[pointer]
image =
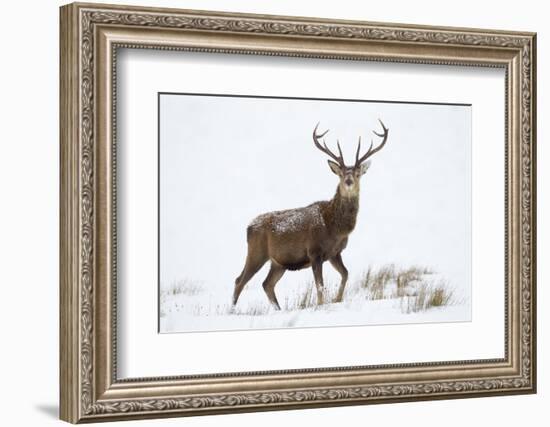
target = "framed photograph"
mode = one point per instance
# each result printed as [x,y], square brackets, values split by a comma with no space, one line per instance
[266,212]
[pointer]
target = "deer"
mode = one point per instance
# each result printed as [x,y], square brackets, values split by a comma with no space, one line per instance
[296,239]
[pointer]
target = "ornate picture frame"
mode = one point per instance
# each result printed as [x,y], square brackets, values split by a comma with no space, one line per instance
[91,34]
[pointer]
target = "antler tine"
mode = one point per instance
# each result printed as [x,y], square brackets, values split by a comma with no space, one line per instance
[371,151]
[340,150]
[381,135]
[315,132]
[324,148]
[359,150]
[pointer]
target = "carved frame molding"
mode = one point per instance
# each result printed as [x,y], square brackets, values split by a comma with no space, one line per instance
[90,35]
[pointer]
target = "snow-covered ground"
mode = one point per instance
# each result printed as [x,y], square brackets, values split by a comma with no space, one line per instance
[415,208]
[385,296]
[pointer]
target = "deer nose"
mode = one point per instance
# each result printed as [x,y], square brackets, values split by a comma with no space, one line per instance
[348,181]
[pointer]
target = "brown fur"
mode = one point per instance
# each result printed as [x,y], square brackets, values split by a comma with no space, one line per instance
[307,237]
[319,233]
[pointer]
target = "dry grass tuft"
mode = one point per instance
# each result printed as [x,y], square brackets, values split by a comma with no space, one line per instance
[429,296]
[375,282]
[410,284]
[254,310]
[307,299]
[184,287]
[302,300]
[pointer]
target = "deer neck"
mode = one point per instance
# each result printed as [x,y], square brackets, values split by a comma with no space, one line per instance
[343,213]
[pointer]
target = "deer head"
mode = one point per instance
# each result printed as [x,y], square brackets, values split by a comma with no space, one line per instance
[349,175]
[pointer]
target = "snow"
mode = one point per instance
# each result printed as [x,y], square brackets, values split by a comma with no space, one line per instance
[416,207]
[201,311]
[291,220]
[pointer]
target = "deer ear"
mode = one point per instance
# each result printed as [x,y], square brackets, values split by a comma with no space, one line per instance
[335,167]
[365,166]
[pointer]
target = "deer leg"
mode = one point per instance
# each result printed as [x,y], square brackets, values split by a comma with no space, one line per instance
[317,267]
[339,266]
[275,273]
[251,267]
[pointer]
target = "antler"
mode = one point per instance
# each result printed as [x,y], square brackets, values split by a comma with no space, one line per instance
[316,137]
[370,151]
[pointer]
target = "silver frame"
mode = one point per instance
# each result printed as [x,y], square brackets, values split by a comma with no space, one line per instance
[90,37]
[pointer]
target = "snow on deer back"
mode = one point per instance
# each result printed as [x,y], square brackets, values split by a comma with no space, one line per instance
[290,220]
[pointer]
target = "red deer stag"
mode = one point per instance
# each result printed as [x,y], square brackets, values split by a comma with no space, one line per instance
[307,237]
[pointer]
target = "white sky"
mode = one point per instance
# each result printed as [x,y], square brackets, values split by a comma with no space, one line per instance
[224,160]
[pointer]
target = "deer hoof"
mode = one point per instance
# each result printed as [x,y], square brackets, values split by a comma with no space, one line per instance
[320,299]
